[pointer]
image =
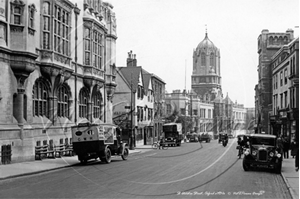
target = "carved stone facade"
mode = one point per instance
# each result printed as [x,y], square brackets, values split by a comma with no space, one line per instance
[268,44]
[46,86]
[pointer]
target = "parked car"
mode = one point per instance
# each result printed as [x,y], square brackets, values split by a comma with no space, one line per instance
[262,152]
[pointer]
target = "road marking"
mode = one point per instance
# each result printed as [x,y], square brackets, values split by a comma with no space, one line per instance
[191,176]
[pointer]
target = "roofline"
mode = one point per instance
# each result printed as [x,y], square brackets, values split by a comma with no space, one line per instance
[155,76]
[122,76]
[285,47]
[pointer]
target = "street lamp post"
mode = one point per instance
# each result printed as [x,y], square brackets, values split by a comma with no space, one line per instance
[131,146]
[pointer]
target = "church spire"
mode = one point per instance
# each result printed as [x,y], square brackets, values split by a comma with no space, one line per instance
[205,30]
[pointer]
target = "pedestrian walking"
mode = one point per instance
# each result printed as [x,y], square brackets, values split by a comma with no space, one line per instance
[199,140]
[297,159]
[279,143]
[286,148]
[293,148]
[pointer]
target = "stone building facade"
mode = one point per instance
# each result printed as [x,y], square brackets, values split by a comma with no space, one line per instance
[138,103]
[57,61]
[268,44]
[285,91]
[213,117]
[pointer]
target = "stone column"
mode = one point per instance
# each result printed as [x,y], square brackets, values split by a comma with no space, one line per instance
[18,104]
[90,112]
[53,108]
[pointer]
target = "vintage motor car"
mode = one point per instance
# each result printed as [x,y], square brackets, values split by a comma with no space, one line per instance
[98,140]
[262,152]
[193,137]
[221,137]
[205,137]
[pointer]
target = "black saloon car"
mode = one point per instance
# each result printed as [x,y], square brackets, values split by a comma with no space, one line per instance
[262,152]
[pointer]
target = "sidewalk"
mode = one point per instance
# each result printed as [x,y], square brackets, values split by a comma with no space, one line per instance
[38,166]
[290,176]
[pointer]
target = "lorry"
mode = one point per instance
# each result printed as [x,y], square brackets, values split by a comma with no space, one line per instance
[98,140]
[173,134]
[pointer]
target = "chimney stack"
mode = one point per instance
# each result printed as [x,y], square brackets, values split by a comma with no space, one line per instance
[131,60]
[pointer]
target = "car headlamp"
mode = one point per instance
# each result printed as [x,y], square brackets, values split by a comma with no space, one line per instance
[254,153]
[247,152]
[278,155]
[271,154]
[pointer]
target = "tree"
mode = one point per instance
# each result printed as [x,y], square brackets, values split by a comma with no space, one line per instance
[186,121]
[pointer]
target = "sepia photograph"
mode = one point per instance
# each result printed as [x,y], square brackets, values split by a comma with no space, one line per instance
[149,99]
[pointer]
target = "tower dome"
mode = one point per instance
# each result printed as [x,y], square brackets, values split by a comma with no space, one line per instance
[206,44]
[206,75]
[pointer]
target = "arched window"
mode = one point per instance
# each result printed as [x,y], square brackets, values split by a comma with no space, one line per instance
[203,59]
[285,39]
[280,41]
[97,101]
[83,102]
[212,63]
[276,41]
[40,94]
[270,40]
[63,96]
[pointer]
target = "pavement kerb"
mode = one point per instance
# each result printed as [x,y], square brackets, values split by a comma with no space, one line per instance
[288,186]
[46,170]
[36,172]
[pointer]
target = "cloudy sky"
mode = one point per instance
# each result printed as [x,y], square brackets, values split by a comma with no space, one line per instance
[164,33]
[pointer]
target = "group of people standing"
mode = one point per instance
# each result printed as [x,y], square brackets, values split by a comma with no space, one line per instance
[285,146]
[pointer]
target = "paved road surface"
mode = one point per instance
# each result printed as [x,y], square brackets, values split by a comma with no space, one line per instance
[189,171]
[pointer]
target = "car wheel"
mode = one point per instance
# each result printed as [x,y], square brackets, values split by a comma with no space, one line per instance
[107,157]
[125,154]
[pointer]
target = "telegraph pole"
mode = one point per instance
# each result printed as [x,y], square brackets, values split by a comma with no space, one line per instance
[131,146]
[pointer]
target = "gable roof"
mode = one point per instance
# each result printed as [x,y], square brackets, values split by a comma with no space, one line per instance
[122,77]
[146,78]
[132,74]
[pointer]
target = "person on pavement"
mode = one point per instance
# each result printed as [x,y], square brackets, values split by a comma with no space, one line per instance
[286,148]
[297,159]
[293,148]
[279,143]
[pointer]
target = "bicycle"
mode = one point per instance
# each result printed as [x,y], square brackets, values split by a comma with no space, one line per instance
[157,145]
